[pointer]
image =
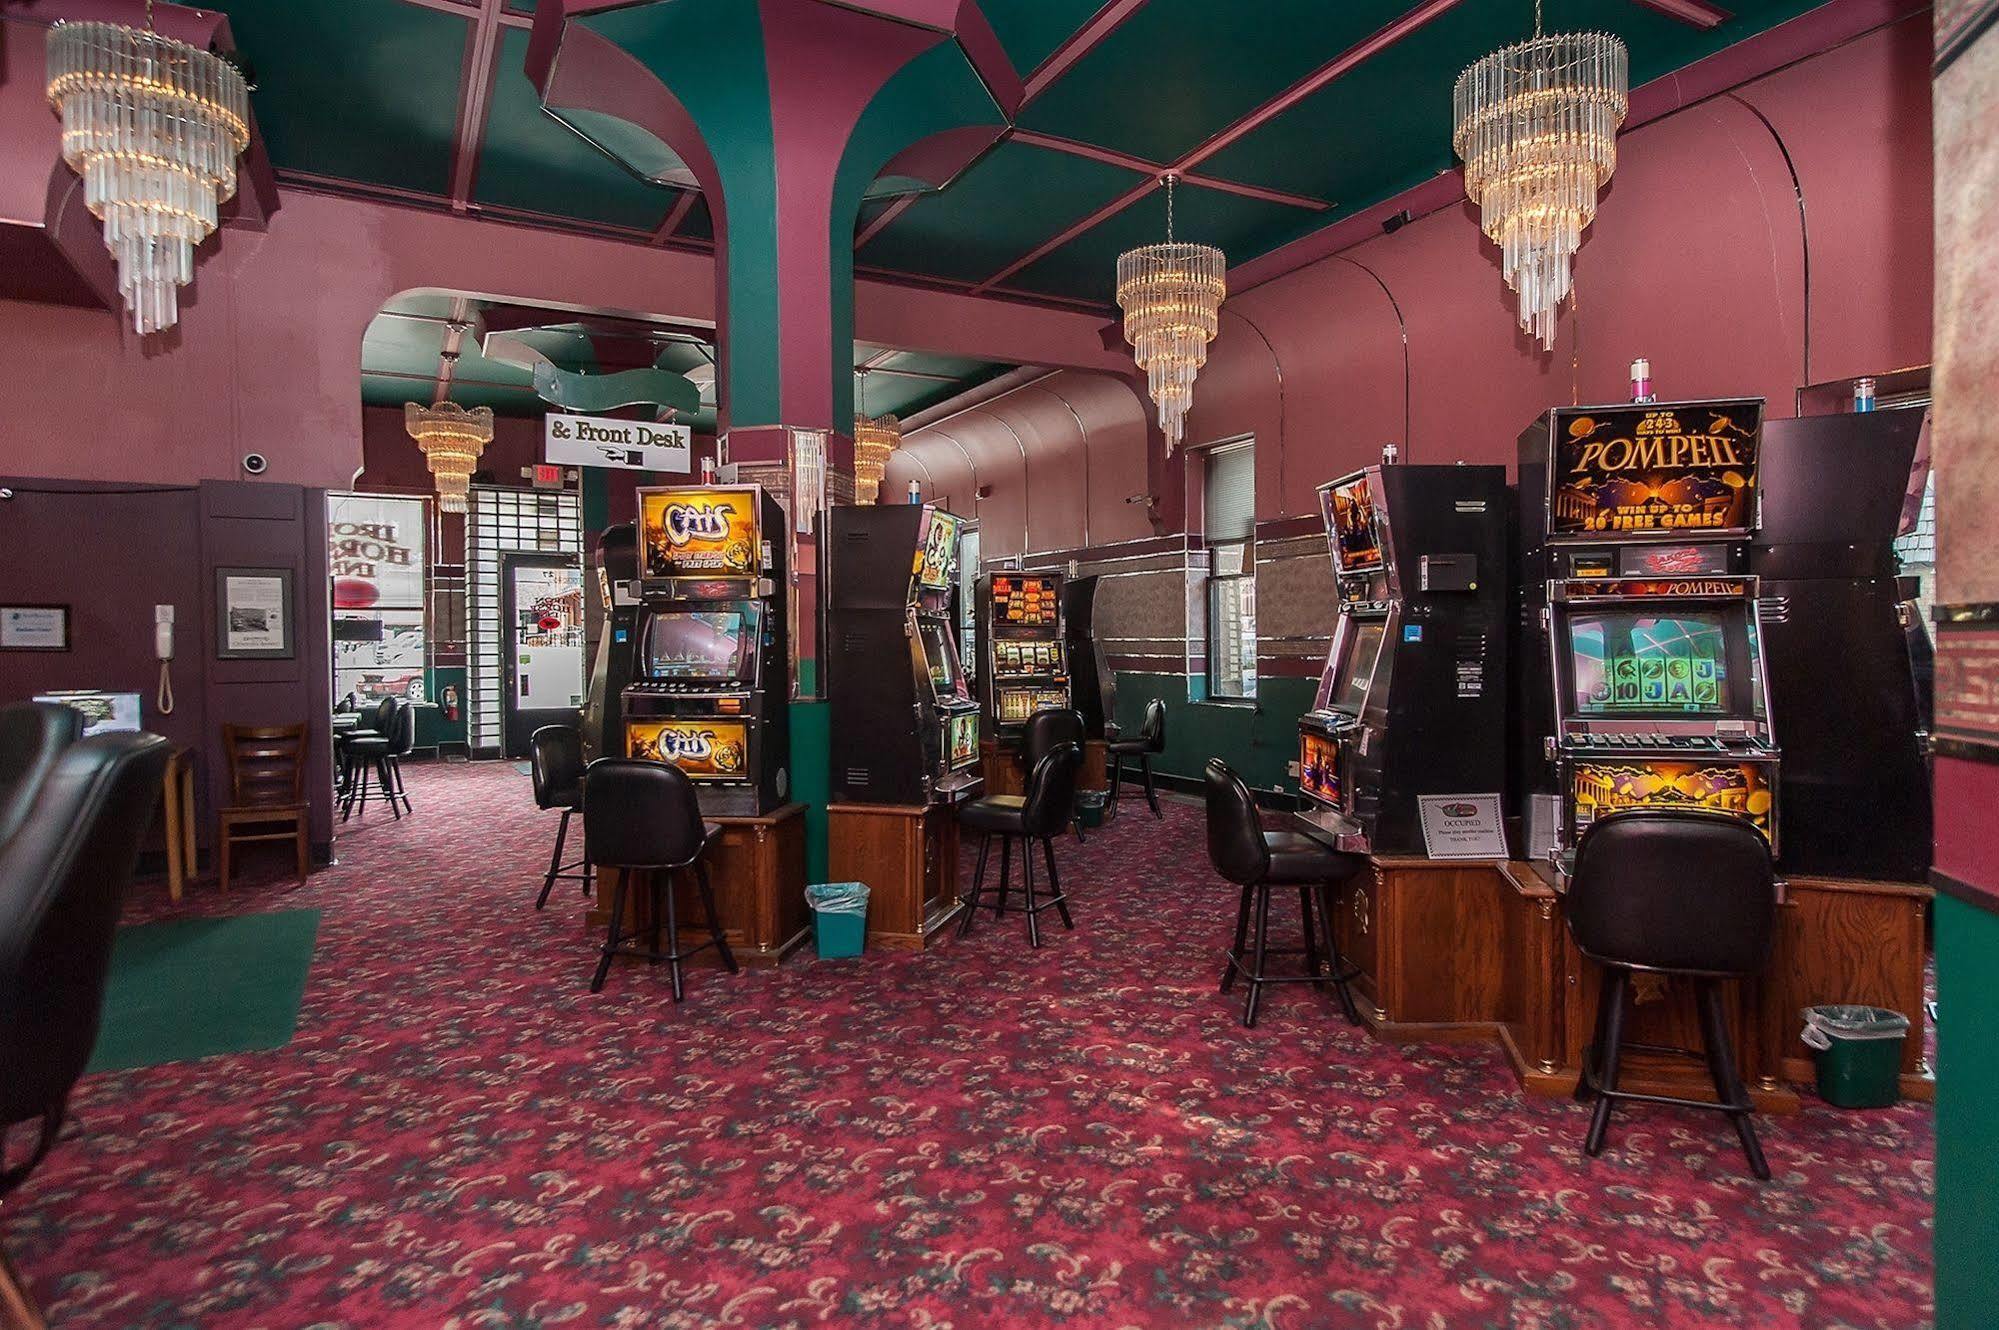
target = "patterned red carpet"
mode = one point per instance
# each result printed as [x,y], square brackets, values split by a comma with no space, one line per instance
[462,1136]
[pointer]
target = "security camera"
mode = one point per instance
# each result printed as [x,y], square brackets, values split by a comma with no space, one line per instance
[255,464]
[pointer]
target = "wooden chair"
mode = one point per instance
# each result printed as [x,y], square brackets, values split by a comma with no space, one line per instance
[267,787]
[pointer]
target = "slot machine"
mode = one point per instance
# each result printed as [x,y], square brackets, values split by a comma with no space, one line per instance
[611,672]
[710,688]
[1092,682]
[1022,652]
[1635,528]
[905,727]
[1412,700]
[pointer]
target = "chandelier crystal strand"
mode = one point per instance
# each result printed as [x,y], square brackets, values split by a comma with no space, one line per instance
[154,126]
[1171,295]
[451,439]
[875,437]
[1536,124]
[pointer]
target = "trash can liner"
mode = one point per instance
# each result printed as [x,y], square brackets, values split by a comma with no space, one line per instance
[838,897]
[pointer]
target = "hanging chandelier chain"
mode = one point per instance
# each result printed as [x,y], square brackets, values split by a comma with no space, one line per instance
[1169,207]
[1537,18]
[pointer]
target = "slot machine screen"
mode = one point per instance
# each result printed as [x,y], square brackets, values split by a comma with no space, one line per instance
[940,659]
[964,736]
[1349,514]
[1350,689]
[708,644]
[1626,663]
[1318,767]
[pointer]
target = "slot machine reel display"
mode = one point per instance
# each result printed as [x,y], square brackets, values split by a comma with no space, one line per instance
[1412,701]
[1022,644]
[1635,523]
[709,690]
[905,727]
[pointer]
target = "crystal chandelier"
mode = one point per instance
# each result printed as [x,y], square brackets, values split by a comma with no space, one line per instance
[1536,124]
[1171,295]
[451,439]
[875,437]
[154,127]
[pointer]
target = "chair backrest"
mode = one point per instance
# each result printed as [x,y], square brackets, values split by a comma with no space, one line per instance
[1153,729]
[1235,831]
[266,765]
[62,882]
[346,704]
[1680,891]
[639,814]
[555,760]
[381,718]
[1047,730]
[32,736]
[1051,791]
[402,730]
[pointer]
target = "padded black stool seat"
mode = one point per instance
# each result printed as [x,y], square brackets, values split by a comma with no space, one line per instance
[1148,743]
[1257,860]
[1039,815]
[555,755]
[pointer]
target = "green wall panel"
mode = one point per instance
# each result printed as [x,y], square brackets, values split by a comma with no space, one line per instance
[812,778]
[1260,743]
[1967,1214]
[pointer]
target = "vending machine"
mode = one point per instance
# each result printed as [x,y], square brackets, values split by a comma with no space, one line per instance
[905,727]
[1412,702]
[1024,665]
[711,689]
[1636,521]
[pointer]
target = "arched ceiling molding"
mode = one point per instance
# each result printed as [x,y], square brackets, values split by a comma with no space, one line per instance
[1281,442]
[987,410]
[1083,437]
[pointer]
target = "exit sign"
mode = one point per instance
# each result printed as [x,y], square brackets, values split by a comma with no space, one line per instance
[547,476]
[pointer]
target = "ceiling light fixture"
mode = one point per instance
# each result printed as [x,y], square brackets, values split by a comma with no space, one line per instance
[1536,124]
[154,127]
[1171,294]
[451,439]
[875,437]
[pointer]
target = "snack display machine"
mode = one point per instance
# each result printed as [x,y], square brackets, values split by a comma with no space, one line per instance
[1635,528]
[1412,702]
[710,690]
[905,727]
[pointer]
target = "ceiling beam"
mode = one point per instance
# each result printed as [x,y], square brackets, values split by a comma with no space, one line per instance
[469,9]
[1079,44]
[1110,156]
[1373,44]
[1699,13]
[675,216]
[475,94]
[894,210]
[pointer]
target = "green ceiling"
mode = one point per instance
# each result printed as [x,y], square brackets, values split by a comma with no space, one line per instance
[401,356]
[368,92]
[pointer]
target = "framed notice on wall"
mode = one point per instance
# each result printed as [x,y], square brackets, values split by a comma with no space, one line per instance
[34,627]
[253,614]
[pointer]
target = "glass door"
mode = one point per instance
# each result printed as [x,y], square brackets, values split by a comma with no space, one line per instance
[542,663]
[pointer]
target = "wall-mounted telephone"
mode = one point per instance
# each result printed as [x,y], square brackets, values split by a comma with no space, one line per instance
[163,648]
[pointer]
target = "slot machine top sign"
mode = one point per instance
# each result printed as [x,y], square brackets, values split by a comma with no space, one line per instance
[1684,469]
[1028,601]
[1348,507]
[937,559]
[700,531]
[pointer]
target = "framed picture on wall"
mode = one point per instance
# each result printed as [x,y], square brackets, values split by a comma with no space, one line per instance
[34,627]
[253,614]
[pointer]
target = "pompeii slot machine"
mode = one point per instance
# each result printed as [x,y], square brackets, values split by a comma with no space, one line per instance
[905,727]
[710,671]
[1635,523]
[1412,701]
[1022,649]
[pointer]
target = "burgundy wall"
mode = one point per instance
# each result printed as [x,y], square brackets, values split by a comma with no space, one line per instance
[112,554]
[1697,260]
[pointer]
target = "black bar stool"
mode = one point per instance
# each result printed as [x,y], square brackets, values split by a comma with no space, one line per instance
[1039,815]
[1047,731]
[643,819]
[1675,893]
[377,721]
[1257,860]
[555,761]
[382,753]
[1149,743]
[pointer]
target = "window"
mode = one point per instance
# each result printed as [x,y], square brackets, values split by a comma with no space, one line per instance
[375,554]
[1229,518]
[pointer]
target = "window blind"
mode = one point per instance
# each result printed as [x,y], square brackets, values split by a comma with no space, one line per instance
[1229,505]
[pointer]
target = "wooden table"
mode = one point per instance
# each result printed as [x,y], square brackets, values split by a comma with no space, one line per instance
[177,819]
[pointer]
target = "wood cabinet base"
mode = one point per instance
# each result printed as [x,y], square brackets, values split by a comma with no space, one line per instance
[1479,952]
[758,870]
[908,857]
[1004,773]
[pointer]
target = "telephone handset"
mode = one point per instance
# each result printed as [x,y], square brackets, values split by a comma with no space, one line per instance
[163,649]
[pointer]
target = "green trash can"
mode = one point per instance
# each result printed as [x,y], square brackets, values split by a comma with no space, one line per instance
[1859,1053]
[839,918]
[1090,808]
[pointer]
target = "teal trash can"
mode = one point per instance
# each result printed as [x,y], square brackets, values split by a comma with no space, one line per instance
[1090,808]
[839,918]
[1859,1053]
